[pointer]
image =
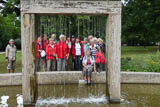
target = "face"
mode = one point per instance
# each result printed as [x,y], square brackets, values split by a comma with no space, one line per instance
[100,42]
[73,39]
[45,37]
[53,36]
[88,53]
[92,43]
[68,38]
[39,39]
[51,42]
[62,39]
[85,41]
[11,42]
[77,40]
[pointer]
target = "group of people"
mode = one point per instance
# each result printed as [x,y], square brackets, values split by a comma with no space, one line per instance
[69,53]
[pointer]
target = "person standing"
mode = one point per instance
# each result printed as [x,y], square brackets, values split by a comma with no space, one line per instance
[53,36]
[99,60]
[45,43]
[39,48]
[78,54]
[11,56]
[72,51]
[69,62]
[51,56]
[101,45]
[93,48]
[62,54]
[85,46]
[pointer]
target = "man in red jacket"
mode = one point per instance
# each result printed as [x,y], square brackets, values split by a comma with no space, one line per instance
[45,43]
[39,48]
[50,55]
[62,53]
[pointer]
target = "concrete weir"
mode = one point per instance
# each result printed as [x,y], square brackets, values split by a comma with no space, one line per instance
[69,77]
[31,8]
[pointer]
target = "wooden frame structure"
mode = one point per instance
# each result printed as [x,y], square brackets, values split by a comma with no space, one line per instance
[112,9]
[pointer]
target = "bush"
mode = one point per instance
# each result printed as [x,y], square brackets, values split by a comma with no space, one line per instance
[153,64]
[18,43]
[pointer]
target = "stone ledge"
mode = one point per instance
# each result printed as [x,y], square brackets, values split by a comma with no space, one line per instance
[69,77]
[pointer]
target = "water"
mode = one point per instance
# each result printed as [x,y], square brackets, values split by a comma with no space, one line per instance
[87,96]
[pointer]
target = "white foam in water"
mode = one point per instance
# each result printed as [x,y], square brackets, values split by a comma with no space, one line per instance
[3,102]
[65,101]
[19,100]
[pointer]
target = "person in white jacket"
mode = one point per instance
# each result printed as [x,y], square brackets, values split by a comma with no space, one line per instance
[11,55]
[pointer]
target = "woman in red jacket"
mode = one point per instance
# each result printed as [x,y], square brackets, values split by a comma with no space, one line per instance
[62,53]
[77,53]
[100,60]
[39,48]
[50,56]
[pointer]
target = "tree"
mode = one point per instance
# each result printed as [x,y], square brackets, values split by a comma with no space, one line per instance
[140,21]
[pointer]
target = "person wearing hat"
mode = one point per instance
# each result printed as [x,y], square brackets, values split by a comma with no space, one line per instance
[62,53]
[51,55]
[11,55]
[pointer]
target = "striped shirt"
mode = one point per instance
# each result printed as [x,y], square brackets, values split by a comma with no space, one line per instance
[93,50]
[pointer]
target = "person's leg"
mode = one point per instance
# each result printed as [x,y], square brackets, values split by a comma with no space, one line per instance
[38,64]
[59,64]
[77,63]
[63,64]
[84,73]
[13,66]
[90,69]
[48,65]
[45,64]
[53,65]
[9,65]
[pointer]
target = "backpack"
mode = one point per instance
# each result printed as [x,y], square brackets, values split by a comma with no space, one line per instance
[103,60]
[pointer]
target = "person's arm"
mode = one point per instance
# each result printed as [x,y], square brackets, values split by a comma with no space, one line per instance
[95,68]
[7,51]
[84,65]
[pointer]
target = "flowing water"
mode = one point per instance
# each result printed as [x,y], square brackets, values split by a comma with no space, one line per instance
[74,95]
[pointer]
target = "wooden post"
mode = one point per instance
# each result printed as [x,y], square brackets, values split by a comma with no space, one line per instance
[113,53]
[29,88]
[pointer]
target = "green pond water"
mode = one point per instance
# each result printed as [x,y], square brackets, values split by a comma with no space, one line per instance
[134,95]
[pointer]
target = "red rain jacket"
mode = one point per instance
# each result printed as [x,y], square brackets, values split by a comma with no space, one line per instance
[45,43]
[50,51]
[99,58]
[62,49]
[38,50]
[74,50]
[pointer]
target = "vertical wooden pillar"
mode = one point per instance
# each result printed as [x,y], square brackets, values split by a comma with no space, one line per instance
[28,64]
[113,53]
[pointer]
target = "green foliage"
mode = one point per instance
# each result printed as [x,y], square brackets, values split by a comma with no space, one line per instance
[140,59]
[153,64]
[9,28]
[140,22]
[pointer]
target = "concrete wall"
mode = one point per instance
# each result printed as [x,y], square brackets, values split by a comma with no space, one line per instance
[74,76]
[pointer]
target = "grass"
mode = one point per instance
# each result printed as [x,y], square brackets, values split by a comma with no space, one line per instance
[3,63]
[139,56]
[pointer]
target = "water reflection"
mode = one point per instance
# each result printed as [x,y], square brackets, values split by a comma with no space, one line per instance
[88,96]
